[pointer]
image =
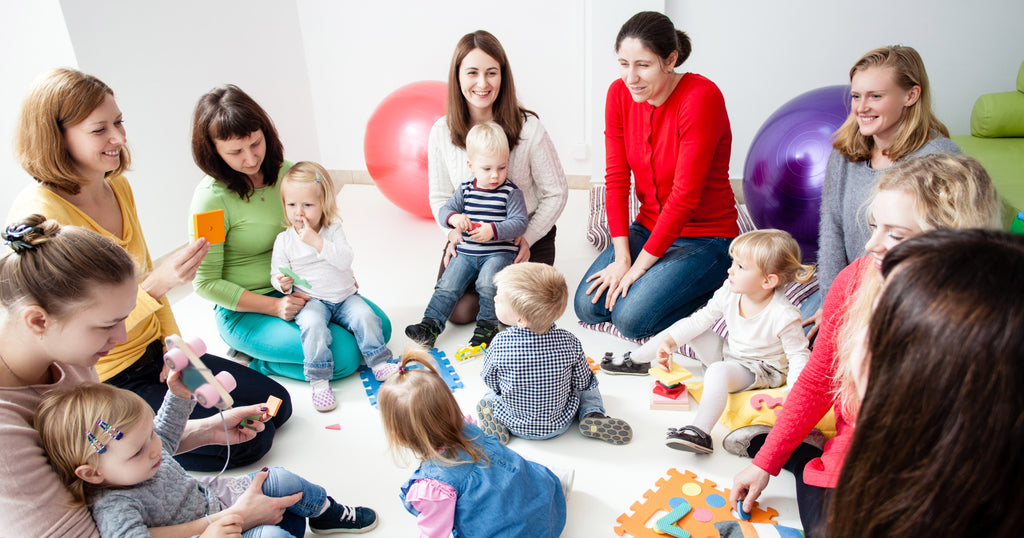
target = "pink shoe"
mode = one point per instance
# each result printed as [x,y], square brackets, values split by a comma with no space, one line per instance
[323,396]
[384,371]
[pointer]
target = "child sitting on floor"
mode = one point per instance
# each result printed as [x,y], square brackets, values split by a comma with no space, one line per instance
[538,376]
[113,455]
[491,213]
[766,347]
[466,481]
[314,248]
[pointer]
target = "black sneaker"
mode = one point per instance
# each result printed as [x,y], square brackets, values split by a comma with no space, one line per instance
[690,439]
[424,333]
[484,332]
[626,367]
[338,519]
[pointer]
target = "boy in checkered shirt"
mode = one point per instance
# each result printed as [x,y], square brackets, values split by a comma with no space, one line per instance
[538,376]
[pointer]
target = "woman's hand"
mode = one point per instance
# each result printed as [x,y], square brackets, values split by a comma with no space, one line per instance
[815,322]
[228,526]
[607,279]
[243,423]
[257,509]
[748,485]
[454,236]
[664,356]
[179,268]
[289,305]
[622,288]
[524,250]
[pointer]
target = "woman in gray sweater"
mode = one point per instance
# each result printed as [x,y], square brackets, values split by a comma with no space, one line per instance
[890,120]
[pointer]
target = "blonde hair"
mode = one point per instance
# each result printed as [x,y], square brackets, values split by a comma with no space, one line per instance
[918,125]
[420,413]
[58,267]
[949,191]
[64,421]
[59,99]
[486,139]
[775,252]
[536,292]
[311,172]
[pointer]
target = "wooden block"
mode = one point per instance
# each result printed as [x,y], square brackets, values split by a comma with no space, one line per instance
[664,403]
[668,392]
[674,377]
[273,405]
[209,224]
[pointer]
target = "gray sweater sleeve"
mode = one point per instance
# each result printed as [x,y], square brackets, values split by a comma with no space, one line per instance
[170,420]
[831,252]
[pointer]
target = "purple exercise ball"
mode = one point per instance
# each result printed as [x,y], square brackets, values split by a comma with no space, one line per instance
[785,166]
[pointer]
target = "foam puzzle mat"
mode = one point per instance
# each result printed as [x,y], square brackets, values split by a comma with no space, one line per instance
[444,367]
[708,504]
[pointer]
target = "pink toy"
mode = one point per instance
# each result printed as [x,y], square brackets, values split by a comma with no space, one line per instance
[209,390]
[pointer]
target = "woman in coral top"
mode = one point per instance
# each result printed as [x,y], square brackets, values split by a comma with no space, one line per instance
[931,192]
[670,132]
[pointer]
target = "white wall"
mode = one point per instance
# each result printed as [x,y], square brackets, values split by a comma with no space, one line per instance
[320,67]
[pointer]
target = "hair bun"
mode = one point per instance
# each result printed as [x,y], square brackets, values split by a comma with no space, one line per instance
[29,233]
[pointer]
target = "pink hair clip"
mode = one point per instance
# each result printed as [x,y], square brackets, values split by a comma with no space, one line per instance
[96,444]
[401,369]
[113,432]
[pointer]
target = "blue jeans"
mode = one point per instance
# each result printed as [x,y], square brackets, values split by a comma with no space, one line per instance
[590,402]
[281,482]
[681,281]
[353,314]
[811,305]
[462,270]
[275,344]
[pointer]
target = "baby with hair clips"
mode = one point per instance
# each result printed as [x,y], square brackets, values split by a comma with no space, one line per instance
[466,482]
[538,376]
[766,346]
[491,213]
[114,456]
[314,248]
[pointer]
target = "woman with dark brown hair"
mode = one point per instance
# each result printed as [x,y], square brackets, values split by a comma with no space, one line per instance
[481,88]
[940,436]
[236,144]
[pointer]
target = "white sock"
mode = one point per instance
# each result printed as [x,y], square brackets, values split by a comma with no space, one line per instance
[320,384]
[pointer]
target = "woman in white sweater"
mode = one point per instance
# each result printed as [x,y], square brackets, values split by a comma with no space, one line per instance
[481,88]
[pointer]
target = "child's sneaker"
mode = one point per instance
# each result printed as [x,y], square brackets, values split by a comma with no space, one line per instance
[484,332]
[424,333]
[489,423]
[602,427]
[384,370]
[323,396]
[690,439]
[624,367]
[339,518]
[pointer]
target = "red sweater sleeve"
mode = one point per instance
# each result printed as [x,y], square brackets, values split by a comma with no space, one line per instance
[678,155]
[813,394]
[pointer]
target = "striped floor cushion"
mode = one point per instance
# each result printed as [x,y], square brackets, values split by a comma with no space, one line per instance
[597,235]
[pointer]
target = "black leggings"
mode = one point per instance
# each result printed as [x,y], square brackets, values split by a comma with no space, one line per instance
[812,500]
[143,378]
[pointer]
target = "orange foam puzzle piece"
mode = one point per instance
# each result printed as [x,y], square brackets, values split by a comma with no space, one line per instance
[709,504]
[209,224]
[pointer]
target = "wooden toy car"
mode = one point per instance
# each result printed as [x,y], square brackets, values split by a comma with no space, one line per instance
[209,390]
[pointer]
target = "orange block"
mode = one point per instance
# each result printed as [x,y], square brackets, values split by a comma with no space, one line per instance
[209,224]
[273,405]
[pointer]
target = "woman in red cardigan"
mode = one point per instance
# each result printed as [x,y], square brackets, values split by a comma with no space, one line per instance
[670,131]
[931,192]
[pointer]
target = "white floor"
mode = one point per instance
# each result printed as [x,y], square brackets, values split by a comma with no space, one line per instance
[396,264]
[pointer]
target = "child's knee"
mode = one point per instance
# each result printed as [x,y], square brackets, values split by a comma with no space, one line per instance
[281,482]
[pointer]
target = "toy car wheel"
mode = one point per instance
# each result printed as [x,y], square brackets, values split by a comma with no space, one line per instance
[207,395]
[226,380]
[197,345]
[176,359]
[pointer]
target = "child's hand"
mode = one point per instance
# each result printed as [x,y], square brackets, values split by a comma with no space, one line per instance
[482,234]
[460,222]
[309,236]
[177,387]
[664,356]
[227,526]
[286,283]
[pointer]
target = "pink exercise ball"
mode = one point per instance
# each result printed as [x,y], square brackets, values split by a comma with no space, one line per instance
[395,146]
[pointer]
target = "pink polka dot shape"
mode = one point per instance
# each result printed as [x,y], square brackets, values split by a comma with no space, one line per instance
[703,515]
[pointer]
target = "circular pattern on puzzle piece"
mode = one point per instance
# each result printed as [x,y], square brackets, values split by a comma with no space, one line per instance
[715,500]
[703,515]
[691,489]
[674,502]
